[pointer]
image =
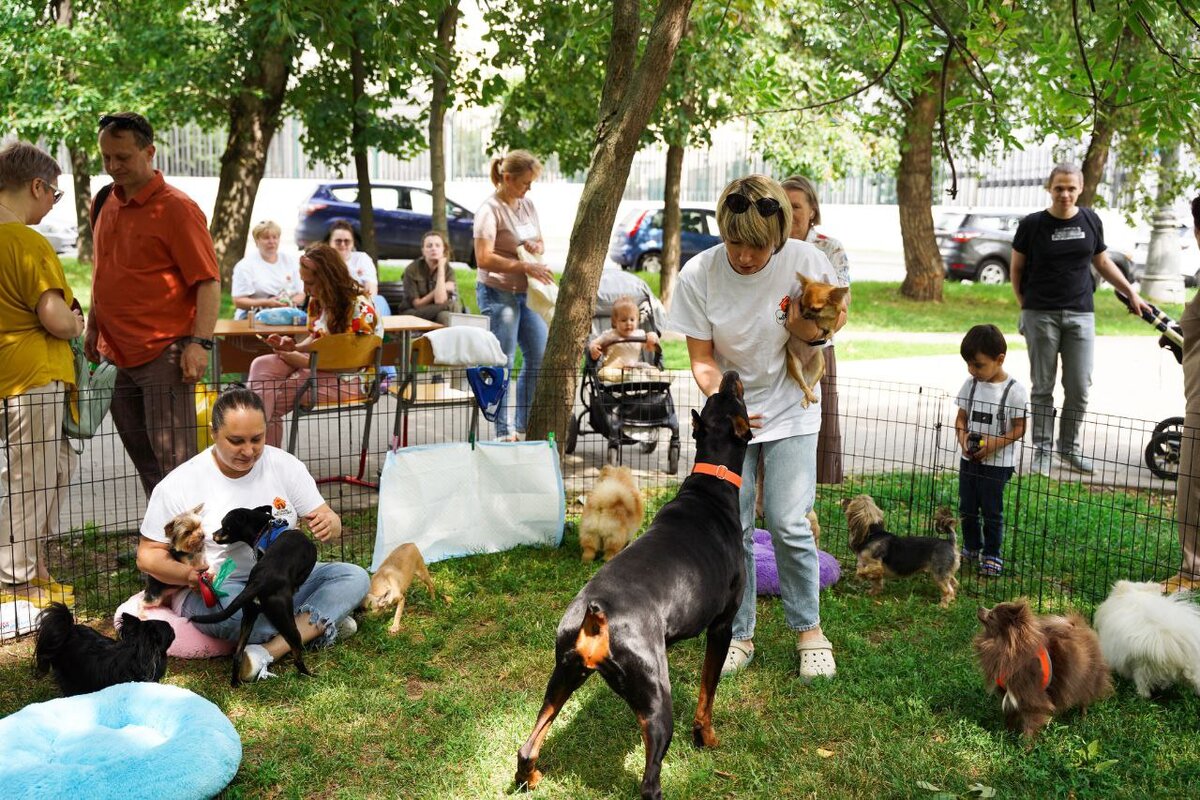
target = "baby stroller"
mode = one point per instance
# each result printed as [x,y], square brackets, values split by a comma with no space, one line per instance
[627,412]
[1162,451]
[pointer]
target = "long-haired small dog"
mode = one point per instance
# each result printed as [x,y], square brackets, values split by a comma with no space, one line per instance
[819,303]
[612,514]
[1041,665]
[185,540]
[885,555]
[84,660]
[1150,638]
[390,583]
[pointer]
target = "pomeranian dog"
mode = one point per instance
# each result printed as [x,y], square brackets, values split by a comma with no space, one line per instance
[612,514]
[84,660]
[185,540]
[818,303]
[885,555]
[1150,638]
[390,583]
[1041,665]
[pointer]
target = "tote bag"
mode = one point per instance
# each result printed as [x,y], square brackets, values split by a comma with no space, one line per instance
[88,401]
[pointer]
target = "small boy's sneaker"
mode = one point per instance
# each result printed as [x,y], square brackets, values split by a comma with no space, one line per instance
[969,555]
[991,567]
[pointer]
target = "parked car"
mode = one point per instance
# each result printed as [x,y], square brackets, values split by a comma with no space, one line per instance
[637,241]
[977,245]
[62,236]
[403,214]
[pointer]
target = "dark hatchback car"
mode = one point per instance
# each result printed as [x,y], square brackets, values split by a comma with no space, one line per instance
[977,245]
[637,241]
[403,214]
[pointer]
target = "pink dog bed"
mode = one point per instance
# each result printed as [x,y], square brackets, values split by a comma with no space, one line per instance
[189,641]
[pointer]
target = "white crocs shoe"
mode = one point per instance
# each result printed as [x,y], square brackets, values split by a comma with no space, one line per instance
[255,660]
[741,653]
[816,659]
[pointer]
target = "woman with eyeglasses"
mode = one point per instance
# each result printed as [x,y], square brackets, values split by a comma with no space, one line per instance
[358,263]
[268,278]
[38,317]
[730,303]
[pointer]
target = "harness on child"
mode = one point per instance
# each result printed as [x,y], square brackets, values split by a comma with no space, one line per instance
[1000,415]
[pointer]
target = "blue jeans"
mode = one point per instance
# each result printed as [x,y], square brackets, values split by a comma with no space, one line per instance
[789,488]
[384,310]
[1049,335]
[981,494]
[332,591]
[514,324]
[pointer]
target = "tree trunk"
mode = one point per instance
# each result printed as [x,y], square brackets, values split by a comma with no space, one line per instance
[366,208]
[81,179]
[1097,156]
[442,74]
[253,120]
[625,108]
[671,224]
[923,266]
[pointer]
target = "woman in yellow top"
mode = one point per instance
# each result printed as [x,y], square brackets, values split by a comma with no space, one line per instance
[36,322]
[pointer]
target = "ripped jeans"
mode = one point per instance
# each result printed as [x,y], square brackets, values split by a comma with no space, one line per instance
[332,591]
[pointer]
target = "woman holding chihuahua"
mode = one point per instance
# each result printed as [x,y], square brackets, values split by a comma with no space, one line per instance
[240,470]
[337,305]
[731,303]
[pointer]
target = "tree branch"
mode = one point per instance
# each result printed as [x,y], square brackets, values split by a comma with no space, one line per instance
[1178,65]
[1083,54]
[946,59]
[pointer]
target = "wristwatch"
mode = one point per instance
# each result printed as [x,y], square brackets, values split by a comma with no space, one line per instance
[207,344]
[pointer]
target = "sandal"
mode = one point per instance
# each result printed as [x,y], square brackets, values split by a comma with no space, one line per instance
[741,653]
[816,659]
[991,567]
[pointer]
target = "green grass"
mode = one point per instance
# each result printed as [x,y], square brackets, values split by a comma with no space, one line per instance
[440,710]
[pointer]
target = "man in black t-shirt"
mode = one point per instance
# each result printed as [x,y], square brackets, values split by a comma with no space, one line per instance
[1053,251]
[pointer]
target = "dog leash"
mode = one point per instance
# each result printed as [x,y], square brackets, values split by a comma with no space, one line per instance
[718,471]
[1047,670]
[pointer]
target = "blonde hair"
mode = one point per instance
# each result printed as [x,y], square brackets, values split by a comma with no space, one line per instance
[517,162]
[1065,168]
[624,301]
[264,227]
[22,163]
[799,183]
[750,227]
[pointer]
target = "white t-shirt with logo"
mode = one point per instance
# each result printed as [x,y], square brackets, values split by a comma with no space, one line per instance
[255,277]
[741,316]
[362,268]
[984,417]
[278,479]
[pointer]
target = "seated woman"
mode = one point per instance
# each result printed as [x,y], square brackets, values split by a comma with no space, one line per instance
[268,278]
[429,281]
[358,264]
[336,305]
[240,471]
[625,360]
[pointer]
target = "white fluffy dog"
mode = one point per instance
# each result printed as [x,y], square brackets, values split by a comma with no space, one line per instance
[1151,639]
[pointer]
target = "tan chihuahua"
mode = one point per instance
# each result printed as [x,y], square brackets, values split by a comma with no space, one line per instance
[820,304]
[390,584]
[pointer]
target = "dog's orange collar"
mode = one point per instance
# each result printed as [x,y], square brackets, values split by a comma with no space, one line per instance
[718,471]
[1047,669]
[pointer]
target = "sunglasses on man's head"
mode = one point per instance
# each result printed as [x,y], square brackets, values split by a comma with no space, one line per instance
[738,203]
[119,123]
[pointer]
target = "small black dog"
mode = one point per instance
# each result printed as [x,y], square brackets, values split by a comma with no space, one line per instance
[683,577]
[85,660]
[284,563]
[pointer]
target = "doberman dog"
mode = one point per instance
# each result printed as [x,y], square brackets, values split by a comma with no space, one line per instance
[285,560]
[684,576]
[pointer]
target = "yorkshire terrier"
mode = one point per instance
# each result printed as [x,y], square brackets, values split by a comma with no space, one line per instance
[885,555]
[84,660]
[1041,665]
[390,583]
[185,538]
[612,514]
[820,304]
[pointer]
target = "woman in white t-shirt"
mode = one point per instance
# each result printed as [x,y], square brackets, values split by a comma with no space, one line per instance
[727,304]
[358,263]
[241,471]
[268,278]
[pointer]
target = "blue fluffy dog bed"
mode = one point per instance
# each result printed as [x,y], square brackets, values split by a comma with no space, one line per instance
[129,741]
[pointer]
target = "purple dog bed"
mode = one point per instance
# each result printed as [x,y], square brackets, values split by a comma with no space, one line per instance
[767,574]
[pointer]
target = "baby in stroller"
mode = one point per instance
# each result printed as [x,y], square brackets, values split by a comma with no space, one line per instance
[627,350]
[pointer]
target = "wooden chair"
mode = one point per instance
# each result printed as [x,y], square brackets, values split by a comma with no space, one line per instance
[341,353]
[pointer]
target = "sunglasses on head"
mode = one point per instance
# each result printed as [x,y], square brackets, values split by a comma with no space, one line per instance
[738,203]
[120,123]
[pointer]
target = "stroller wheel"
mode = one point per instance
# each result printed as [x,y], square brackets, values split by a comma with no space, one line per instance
[673,458]
[572,435]
[1162,454]
[1170,423]
[614,454]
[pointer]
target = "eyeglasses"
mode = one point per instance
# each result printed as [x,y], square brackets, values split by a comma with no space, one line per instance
[121,122]
[738,203]
[54,190]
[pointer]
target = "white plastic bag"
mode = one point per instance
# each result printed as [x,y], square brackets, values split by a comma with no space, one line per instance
[541,297]
[454,500]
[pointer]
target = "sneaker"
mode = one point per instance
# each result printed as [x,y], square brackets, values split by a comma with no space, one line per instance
[1041,464]
[1077,462]
[991,567]
[741,653]
[968,555]
[346,627]
[255,660]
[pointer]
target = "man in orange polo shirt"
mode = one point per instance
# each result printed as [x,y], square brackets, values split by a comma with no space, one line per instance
[156,292]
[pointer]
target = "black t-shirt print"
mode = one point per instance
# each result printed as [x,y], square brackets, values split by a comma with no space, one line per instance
[1058,257]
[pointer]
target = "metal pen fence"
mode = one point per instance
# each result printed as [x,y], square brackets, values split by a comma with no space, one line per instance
[1067,537]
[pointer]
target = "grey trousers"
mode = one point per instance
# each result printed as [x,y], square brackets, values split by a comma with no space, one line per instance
[1187,498]
[1051,335]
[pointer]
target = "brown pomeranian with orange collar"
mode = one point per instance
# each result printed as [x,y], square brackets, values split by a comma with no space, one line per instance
[818,304]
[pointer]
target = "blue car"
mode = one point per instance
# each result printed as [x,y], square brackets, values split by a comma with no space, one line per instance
[637,241]
[403,214]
